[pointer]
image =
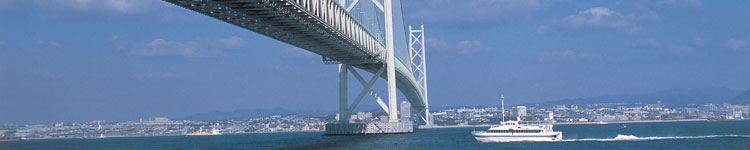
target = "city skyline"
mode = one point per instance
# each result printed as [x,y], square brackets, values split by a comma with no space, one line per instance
[373,113]
[596,113]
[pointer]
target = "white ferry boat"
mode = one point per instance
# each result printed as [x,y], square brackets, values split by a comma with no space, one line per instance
[513,131]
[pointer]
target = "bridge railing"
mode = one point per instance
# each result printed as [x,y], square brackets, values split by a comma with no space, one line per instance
[339,19]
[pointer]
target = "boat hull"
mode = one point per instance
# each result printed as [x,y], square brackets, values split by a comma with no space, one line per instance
[517,138]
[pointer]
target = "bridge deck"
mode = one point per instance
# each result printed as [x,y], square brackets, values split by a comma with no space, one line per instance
[319,26]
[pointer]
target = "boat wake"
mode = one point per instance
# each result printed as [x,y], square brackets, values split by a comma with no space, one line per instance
[621,137]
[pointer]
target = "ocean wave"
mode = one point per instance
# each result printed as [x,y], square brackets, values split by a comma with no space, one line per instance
[621,137]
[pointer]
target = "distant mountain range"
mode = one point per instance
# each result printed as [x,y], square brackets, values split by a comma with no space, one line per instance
[252,113]
[742,98]
[671,97]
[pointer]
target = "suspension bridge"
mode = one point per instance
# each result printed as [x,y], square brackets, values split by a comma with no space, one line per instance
[351,33]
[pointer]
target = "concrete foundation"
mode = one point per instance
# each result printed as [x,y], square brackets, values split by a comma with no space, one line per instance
[369,128]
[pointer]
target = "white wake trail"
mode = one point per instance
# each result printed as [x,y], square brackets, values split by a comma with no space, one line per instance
[621,137]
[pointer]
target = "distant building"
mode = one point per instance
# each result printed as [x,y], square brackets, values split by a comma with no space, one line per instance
[521,111]
[383,118]
[364,115]
[606,118]
[551,116]
[737,114]
[161,119]
[405,110]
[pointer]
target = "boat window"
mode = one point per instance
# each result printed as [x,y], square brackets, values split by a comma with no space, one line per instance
[500,131]
[523,131]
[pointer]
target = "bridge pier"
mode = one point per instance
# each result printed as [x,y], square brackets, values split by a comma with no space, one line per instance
[345,127]
[343,97]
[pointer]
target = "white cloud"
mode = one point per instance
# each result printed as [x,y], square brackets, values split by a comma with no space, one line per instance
[646,43]
[679,49]
[699,42]
[469,46]
[451,11]
[157,76]
[161,47]
[5,4]
[542,29]
[694,3]
[99,10]
[736,44]
[49,44]
[295,52]
[563,54]
[114,6]
[462,47]
[567,55]
[433,43]
[644,16]
[600,18]
[45,73]
[114,37]
[670,47]
[684,3]
[124,6]
[231,42]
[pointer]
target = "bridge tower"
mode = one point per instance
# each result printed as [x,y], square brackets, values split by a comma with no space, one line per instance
[418,63]
[390,62]
[394,124]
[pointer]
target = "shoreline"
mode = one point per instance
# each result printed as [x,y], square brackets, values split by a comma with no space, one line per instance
[574,123]
[82,138]
[419,127]
[633,121]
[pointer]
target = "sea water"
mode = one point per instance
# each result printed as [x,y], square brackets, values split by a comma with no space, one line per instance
[641,136]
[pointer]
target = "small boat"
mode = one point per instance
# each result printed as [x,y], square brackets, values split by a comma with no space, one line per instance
[624,126]
[512,131]
[101,136]
[201,133]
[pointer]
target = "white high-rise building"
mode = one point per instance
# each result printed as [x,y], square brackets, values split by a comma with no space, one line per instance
[405,110]
[521,111]
[551,116]
[161,119]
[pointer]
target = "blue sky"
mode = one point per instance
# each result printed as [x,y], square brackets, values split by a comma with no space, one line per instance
[123,60]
